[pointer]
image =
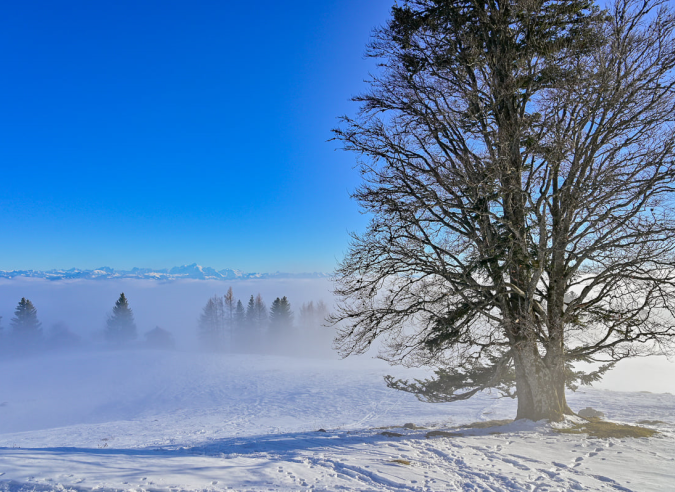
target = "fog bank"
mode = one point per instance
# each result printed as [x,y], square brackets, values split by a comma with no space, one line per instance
[83,305]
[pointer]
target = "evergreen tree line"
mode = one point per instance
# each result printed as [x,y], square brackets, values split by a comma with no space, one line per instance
[226,324]
[25,333]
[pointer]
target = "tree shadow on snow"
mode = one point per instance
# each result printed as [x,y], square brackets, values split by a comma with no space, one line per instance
[275,444]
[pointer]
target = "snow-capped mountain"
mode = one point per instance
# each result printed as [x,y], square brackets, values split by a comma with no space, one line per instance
[193,271]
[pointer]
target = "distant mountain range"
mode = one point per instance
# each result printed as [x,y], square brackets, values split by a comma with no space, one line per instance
[193,271]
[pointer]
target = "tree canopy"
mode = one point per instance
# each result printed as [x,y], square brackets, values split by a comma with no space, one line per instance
[212,324]
[281,316]
[518,165]
[120,325]
[26,329]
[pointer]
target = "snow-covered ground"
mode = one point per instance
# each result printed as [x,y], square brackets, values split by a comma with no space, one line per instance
[143,420]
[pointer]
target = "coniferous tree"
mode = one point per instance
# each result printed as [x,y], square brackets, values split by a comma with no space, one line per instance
[239,315]
[315,333]
[211,324]
[313,315]
[280,333]
[260,313]
[250,312]
[256,321]
[281,316]
[307,314]
[249,330]
[120,326]
[26,328]
[239,326]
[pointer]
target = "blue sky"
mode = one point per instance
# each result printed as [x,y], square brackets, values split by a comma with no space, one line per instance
[154,134]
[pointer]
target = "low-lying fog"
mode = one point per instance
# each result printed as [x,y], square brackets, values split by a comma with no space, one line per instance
[83,306]
[94,381]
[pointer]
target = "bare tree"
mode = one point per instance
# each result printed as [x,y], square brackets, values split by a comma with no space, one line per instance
[517,159]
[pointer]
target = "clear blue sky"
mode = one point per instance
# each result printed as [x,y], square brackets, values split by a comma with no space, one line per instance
[158,133]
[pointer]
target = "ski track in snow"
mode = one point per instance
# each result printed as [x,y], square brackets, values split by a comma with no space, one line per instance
[147,421]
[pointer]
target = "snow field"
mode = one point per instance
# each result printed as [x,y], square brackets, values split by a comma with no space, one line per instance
[180,421]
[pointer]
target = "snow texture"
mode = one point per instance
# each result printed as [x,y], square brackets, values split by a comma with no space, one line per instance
[143,420]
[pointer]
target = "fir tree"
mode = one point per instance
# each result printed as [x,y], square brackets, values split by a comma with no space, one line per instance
[313,330]
[239,315]
[281,316]
[239,326]
[260,313]
[120,326]
[250,313]
[254,324]
[313,315]
[307,314]
[26,328]
[211,324]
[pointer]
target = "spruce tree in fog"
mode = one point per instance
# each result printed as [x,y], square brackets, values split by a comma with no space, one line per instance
[313,331]
[259,313]
[313,315]
[280,335]
[281,316]
[307,313]
[120,326]
[239,315]
[250,332]
[250,313]
[26,328]
[25,317]
[239,326]
[212,324]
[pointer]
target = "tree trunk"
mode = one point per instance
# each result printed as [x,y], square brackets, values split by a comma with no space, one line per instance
[540,394]
[559,384]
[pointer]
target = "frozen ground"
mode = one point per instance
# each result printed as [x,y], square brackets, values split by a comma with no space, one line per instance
[151,421]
